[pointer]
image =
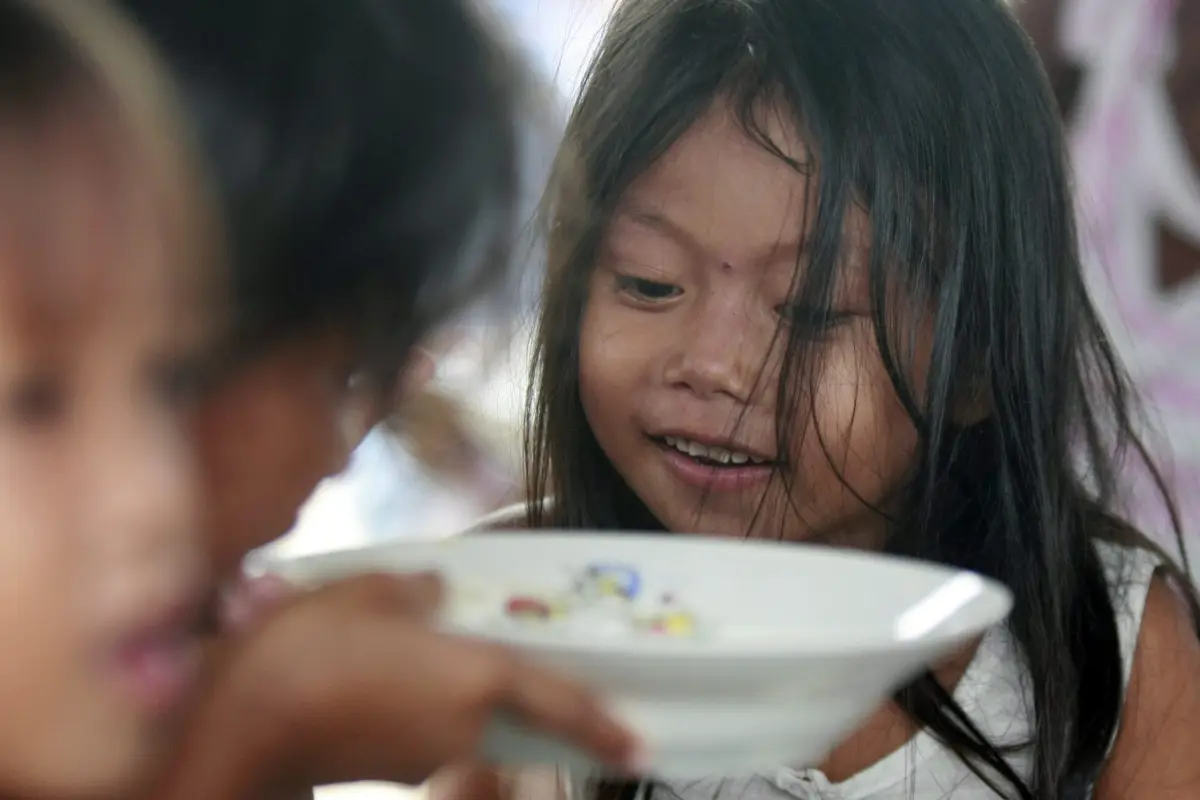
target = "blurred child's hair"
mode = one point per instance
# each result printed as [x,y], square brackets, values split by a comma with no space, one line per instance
[66,65]
[934,117]
[366,154]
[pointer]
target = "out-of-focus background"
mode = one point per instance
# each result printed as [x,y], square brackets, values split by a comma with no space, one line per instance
[1123,72]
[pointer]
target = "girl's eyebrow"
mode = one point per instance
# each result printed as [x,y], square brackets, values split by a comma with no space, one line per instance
[660,222]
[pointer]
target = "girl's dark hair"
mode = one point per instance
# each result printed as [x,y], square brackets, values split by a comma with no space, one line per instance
[365,154]
[935,117]
[37,60]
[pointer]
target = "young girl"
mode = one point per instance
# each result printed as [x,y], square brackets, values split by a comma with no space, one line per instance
[105,252]
[814,277]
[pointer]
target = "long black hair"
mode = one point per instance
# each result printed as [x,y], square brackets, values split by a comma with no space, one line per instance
[365,152]
[935,117]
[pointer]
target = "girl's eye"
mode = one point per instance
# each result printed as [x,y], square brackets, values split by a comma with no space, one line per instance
[647,290]
[811,321]
[36,401]
[180,383]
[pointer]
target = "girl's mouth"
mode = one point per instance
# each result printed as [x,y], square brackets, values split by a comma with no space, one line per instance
[714,467]
[159,662]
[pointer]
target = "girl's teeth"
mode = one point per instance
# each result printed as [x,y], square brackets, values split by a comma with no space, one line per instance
[718,454]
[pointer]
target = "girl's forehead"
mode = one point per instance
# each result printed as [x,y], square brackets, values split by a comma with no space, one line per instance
[79,221]
[724,197]
[716,172]
[722,143]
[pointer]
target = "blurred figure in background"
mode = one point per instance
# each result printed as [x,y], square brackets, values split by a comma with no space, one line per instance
[1124,73]
[365,157]
[456,454]
[355,231]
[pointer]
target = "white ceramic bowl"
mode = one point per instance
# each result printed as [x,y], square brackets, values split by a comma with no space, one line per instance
[797,644]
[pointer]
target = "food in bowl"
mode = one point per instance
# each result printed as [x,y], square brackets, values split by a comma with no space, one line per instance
[598,600]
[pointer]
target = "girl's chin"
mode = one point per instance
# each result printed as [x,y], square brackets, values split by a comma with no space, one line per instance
[722,527]
[850,542]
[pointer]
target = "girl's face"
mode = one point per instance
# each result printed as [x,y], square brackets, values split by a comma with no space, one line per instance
[100,566]
[268,434]
[680,352]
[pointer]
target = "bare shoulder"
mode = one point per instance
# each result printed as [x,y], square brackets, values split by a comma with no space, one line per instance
[1155,754]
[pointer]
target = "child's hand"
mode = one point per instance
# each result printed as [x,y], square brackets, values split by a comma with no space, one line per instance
[348,683]
[251,599]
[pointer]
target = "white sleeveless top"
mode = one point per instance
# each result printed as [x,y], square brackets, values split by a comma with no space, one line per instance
[994,694]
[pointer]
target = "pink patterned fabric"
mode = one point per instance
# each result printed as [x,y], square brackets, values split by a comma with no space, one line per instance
[1133,173]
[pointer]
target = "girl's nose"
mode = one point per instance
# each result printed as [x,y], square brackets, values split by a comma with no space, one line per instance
[142,497]
[719,355]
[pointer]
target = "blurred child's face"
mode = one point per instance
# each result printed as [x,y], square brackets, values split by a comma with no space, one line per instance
[269,433]
[677,353]
[100,567]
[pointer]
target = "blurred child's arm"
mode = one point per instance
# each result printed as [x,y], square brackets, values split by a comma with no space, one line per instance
[473,783]
[347,684]
[484,783]
[1157,751]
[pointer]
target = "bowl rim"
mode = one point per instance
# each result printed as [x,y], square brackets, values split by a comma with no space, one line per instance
[997,601]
